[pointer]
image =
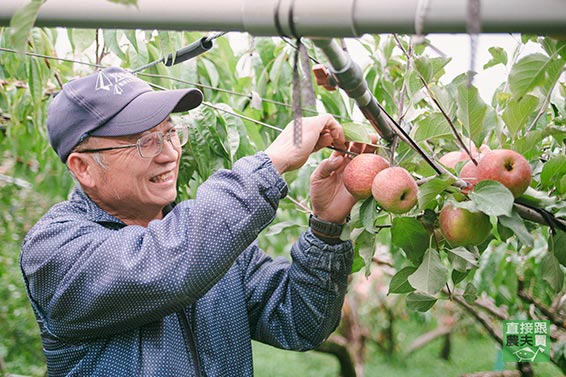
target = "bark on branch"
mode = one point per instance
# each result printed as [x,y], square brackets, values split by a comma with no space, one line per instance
[338,346]
[428,337]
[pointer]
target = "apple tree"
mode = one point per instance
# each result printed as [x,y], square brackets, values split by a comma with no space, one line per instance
[512,247]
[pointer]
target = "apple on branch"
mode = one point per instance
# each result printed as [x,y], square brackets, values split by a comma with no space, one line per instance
[450,159]
[360,172]
[395,190]
[507,167]
[469,173]
[461,227]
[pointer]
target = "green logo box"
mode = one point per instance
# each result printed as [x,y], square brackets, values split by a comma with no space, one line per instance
[526,341]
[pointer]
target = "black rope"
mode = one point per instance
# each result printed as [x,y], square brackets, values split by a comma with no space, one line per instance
[291,21]
[276,19]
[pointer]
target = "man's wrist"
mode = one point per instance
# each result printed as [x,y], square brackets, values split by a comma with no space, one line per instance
[327,231]
[280,164]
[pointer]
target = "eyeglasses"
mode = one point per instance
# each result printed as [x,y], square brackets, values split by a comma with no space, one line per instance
[151,145]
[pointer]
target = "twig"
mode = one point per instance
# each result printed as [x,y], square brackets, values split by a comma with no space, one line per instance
[299,204]
[437,103]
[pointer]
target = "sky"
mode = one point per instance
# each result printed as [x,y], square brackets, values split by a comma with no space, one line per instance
[457,47]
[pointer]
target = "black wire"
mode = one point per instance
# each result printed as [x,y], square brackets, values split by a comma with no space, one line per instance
[36,55]
[295,47]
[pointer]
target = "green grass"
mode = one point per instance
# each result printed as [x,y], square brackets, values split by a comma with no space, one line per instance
[470,352]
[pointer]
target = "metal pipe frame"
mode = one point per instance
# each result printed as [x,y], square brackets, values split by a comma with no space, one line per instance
[308,18]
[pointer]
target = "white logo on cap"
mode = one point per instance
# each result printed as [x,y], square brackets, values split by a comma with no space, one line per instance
[117,88]
[102,82]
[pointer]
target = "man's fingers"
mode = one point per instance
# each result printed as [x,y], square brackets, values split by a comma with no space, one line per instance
[328,166]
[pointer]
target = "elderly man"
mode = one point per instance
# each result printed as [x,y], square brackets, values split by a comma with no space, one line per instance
[126,282]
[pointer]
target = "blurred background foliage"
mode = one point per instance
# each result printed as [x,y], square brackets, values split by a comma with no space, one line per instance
[247,92]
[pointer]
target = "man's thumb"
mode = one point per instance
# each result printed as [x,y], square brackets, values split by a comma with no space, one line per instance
[328,166]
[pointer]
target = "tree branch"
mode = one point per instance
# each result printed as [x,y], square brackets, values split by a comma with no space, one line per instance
[338,346]
[552,317]
[534,215]
[482,318]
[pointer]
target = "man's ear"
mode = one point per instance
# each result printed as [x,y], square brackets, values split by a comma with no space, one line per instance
[82,167]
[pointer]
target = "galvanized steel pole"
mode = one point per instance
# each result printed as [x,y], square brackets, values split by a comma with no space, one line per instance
[309,18]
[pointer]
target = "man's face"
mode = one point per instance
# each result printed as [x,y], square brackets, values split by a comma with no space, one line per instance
[131,187]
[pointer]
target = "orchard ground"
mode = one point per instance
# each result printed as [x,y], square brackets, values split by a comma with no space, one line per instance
[472,351]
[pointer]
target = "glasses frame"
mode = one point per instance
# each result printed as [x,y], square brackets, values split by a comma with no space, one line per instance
[161,135]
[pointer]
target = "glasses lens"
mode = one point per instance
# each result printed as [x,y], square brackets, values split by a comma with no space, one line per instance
[182,124]
[181,136]
[150,145]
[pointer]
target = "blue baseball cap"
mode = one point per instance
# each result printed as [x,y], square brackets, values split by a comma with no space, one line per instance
[110,102]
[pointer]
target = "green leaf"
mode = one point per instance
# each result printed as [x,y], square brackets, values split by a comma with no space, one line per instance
[431,275]
[517,225]
[211,72]
[34,82]
[552,171]
[364,245]
[399,283]
[458,276]
[470,293]
[462,259]
[551,272]
[557,245]
[111,42]
[498,56]
[358,262]
[528,73]
[492,198]
[280,226]
[420,301]
[429,191]
[368,214]
[431,68]
[356,132]
[81,39]
[334,104]
[471,109]
[536,198]
[410,235]
[518,112]
[432,126]
[131,35]
[21,24]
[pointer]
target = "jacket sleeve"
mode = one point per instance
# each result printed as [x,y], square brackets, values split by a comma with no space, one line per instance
[297,305]
[85,280]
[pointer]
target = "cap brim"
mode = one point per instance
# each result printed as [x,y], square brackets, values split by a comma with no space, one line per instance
[148,110]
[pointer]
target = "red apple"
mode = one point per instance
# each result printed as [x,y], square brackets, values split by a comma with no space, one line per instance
[359,174]
[469,173]
[450,159]
[507,167]
[395,190]
[461,227]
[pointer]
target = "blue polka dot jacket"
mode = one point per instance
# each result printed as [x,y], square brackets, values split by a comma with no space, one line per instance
[185,295]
